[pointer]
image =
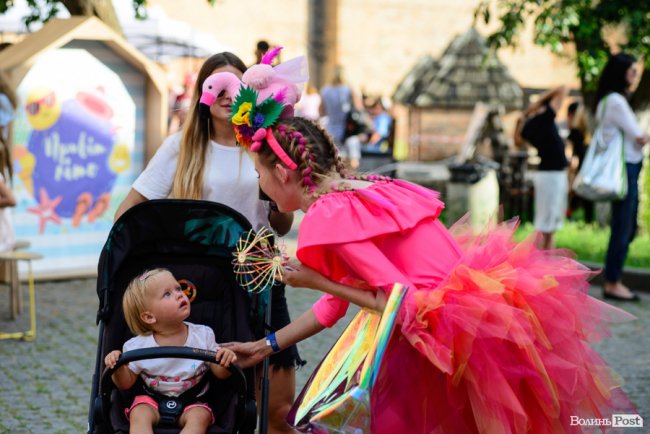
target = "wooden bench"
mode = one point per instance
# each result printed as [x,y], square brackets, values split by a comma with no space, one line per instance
[15,290]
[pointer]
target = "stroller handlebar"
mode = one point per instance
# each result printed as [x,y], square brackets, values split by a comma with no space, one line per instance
[175,353]
[167,352]
[237,378]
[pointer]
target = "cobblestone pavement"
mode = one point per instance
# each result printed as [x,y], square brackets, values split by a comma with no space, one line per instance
[45,384]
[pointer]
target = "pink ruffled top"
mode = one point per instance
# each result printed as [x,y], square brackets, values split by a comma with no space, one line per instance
[493,336]
[371,238]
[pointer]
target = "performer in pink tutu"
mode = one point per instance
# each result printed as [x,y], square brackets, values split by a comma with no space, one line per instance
[492,337]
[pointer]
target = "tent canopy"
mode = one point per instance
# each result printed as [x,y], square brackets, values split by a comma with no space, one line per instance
[158,37]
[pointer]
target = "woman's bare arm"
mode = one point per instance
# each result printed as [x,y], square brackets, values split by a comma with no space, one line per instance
[251,353]
[554,97]
[131,199]
[301,276]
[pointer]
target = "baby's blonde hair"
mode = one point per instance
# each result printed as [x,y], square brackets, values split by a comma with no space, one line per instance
[134,302]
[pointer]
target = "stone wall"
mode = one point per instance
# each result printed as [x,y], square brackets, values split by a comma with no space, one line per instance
[377,43]
[435,134]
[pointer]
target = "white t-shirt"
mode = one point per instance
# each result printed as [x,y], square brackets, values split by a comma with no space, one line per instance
[618,115]
[172,377]
[7,238]
[229,178]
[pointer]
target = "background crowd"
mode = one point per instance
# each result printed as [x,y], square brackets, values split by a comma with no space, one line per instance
[561,158]
[360,124]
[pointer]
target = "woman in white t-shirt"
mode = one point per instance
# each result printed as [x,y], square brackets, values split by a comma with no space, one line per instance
[7,199]
[205,162]
[616,116]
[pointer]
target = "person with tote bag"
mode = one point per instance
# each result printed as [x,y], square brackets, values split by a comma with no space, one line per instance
[603,176]
[615,118]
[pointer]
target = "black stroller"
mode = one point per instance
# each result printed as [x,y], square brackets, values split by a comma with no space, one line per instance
[195,241]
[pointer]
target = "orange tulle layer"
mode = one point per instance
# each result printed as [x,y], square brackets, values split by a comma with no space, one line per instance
[501,346]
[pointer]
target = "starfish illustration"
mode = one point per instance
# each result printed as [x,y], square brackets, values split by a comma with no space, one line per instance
[46,210]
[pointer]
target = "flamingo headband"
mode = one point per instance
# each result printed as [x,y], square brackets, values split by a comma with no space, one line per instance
[264,95]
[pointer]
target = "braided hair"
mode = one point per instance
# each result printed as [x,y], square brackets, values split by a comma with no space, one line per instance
[315,153]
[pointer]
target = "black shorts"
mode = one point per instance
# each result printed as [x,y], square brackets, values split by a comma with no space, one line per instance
[288,357]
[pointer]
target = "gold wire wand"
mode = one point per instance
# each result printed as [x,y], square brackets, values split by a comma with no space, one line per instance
[258,262]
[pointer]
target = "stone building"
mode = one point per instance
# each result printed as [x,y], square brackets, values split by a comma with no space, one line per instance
[436,99]
[376,41]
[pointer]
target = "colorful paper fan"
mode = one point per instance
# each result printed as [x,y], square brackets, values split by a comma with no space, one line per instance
[258,262]
[336,399]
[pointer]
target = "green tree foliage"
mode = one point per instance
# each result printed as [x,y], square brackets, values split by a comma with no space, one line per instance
[583,24]
[44,10]
[41,11]
[578,22]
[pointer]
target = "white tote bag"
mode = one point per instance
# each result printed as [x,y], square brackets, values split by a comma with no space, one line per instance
[603,176]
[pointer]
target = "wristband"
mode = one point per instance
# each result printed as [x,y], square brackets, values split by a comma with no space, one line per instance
[273,343]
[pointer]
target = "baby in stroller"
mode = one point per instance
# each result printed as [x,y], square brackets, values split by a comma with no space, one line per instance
[155,308]
[195,241]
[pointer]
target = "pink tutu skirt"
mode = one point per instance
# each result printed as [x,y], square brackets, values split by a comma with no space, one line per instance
[502,345]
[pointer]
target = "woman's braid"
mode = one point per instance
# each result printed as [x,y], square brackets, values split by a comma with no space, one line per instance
[340,166]
[315,153]
[306,156]
[309,147]
[370,177]
[299,150]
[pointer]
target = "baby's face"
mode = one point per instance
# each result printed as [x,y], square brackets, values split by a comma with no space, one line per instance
[165,299]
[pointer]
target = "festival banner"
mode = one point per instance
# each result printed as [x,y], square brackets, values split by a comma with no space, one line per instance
[74,155]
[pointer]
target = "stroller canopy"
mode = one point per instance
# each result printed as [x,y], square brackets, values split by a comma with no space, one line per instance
[166,227]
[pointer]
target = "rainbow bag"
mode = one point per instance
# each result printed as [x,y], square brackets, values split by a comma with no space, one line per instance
[336,398]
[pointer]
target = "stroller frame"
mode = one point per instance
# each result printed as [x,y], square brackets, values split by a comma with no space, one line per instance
[181,231]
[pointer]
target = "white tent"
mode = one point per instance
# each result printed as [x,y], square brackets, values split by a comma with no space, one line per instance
[162,38]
